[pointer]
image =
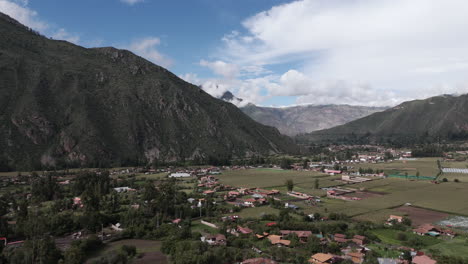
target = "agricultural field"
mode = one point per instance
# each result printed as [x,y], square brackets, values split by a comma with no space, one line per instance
[263,178]
[390,236]
[425,166]
[393,193]
[454,247]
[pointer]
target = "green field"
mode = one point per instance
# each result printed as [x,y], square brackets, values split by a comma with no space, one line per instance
[264,178]
[389,236]
[425,166]
[454,247]
[256,212]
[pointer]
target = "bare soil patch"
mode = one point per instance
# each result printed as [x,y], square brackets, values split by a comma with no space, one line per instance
[421,216]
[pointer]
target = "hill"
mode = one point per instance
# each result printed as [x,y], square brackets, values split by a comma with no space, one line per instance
[303,119]
[433,119]
[63,104]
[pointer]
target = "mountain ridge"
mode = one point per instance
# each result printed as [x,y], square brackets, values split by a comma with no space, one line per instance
[66,104]
[294,120]
[434,118]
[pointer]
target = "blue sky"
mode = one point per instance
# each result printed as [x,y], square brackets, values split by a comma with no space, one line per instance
[280,53]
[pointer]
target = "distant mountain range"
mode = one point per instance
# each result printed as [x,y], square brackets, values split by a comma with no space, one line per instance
[433,119]
[303,119]
[65,104]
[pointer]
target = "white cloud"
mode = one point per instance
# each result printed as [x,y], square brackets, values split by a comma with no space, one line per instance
[221,68]
[19,11]
[62,34]
[146,47]
[358,52]
[191,78]
[131,2]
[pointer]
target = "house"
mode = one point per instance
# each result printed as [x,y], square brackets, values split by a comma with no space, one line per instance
[233,194]
[249,202]
[208,192]
[277,240]
[356,257]
[265,234]
[244,230]
[179,175]
[259,261]
[340,238]
[321,258]
[332,172]
[270,224]
[423,260]
[123,189]
[117,227]
[395,218]
[427,229]
[291,206]
[77,202]
[302,235]
[214,240]
[359,240]
[387,261]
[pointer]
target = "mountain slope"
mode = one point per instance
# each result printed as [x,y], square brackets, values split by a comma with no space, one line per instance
[303,119]
[440,117]
[61,103]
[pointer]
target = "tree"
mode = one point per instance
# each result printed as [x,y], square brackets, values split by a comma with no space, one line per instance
[402,236]
[417,175]
[289,184]
[285,164]
[316,184]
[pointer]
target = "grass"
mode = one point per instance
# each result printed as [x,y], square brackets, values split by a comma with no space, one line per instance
[425,166]
[197,226]
[256,212]
[453,247]
[263,178]
[383,251]
[389,236]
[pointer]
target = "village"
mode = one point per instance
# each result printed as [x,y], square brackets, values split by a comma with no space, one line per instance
[331,211]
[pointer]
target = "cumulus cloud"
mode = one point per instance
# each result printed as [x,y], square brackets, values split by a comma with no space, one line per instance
[222,68]
[365,52]
[147,48]
[19,10]
[131,2]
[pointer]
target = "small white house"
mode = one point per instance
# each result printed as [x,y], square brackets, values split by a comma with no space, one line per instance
[122,189]
[179,175]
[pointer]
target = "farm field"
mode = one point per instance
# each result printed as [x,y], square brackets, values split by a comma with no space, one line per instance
[389,236]
[263,178]
[149,250]
[393,193]
[453,247]
[256,212]
[400,192]
[425,166]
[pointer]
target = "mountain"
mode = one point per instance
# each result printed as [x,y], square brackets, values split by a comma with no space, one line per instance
[229,97]
[432,119]
[65,104]
[303,119]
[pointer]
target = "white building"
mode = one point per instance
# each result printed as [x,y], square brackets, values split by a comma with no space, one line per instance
[179,175]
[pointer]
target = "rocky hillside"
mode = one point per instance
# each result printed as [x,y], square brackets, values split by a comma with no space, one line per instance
[65,104]
[303,119]
[433,119]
